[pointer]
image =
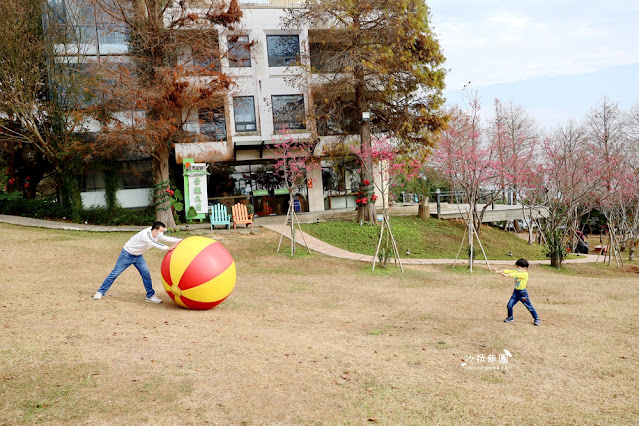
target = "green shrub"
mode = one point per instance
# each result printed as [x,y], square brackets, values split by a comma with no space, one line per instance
[36,208]
[50,209]
[118,216]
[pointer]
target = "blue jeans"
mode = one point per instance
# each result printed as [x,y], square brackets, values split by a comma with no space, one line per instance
[125,260]
[521,296]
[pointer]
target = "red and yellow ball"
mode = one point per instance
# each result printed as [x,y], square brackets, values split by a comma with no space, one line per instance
[199,273]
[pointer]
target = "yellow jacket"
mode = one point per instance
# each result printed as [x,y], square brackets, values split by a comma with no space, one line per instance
[521,277]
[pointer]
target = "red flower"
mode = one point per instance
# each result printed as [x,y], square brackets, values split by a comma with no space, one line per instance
[26,185]
[374,197]
[367,182]
[365,200]
[358,201]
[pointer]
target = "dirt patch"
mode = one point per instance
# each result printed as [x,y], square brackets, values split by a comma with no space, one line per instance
[310,340]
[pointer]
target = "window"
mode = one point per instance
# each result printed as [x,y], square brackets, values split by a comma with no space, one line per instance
[136,174]
[239,51]
[244,110]
[283,50]
[213,123]
[328,58]
[341,179]
[131,174]
[336,117]
[288,112]
[205,59]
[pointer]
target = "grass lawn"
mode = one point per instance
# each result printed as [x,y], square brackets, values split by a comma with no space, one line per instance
[309,340]
[425,238]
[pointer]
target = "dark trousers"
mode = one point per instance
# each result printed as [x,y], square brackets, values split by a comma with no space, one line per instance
[521,296]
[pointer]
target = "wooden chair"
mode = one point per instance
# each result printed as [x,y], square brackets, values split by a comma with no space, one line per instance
[220,216]
[240,215]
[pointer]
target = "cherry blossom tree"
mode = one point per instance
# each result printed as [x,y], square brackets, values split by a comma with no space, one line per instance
[514,137]
[570,177]
[608,131]
[389,166]
[468,161]
[294,161]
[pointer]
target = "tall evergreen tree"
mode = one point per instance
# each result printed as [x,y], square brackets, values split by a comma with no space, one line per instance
[380,57]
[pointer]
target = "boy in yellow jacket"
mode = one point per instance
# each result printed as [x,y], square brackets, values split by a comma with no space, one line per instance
[520,294]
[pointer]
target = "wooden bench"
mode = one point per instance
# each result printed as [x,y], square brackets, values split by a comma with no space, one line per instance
[220,216]
[241,216]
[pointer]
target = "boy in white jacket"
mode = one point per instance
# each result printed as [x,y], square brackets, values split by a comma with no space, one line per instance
[132,255]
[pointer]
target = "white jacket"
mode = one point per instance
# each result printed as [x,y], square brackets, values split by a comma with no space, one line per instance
[143,240]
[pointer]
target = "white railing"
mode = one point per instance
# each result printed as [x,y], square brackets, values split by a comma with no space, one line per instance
[271,3]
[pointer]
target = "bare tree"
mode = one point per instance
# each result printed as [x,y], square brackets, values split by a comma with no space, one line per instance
[41,98]
[170,71]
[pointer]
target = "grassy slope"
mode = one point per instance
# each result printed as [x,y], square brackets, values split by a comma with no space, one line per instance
[425,238]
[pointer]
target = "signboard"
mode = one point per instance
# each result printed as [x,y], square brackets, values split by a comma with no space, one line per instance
[195,185]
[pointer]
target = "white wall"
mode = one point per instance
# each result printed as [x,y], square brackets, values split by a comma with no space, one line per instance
[128,198]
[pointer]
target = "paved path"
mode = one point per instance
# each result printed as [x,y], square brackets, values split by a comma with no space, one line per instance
[306,240]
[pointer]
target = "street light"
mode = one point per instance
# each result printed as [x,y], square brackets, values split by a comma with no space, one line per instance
[366,116]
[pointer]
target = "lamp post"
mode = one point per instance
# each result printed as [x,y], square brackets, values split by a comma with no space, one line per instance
[438,198]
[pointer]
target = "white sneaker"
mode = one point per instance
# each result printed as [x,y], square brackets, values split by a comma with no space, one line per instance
[153,299]
[97,295]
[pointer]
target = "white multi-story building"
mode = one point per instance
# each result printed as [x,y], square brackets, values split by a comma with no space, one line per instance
[271,93]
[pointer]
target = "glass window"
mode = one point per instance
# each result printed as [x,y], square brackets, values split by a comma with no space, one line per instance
[57,11]
[328,58]
[204,59]
[212,123]
[239,51]
[337,117]
[341,178]
[283,50]
[288,112]
[244,113]
[136,174]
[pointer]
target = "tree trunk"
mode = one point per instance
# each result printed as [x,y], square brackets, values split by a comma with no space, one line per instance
[69,193]
[291,211]
[163,211]
[365,213]
[423,210]
[555,261]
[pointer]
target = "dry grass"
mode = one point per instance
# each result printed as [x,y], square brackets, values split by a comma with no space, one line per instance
[310,340]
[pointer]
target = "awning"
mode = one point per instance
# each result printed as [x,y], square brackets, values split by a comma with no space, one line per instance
[264,144]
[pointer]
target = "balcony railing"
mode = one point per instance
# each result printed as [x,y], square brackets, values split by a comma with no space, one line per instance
[275,4]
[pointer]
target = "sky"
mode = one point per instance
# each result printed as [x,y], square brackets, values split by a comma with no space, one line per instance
[556,58]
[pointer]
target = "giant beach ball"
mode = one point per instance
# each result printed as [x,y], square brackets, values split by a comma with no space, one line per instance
[199,273]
